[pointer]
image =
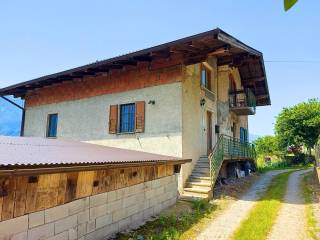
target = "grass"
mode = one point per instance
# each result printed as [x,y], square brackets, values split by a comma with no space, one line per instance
[171,226]
[261,218]
[308,190]
[186,220]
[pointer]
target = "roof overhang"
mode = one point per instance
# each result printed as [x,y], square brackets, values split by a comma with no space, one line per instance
[30,155]
[191,50]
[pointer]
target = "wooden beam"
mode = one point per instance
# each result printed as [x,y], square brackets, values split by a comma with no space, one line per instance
[220,51]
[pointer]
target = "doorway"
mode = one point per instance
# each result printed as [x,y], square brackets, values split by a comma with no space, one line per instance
[209,132]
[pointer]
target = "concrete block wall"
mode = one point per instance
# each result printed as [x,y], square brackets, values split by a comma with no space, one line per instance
[95,217]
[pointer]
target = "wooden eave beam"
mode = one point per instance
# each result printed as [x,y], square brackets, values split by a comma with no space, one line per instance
[144,58]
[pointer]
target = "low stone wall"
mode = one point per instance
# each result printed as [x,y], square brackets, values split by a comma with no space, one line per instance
[95,217]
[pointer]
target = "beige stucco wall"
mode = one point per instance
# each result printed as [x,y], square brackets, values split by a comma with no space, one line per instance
[96,217]
[225,116]
[194,116]
[87,120]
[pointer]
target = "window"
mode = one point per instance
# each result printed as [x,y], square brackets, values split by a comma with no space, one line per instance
[243,135]
[52,125]
[205,77]
[127,118]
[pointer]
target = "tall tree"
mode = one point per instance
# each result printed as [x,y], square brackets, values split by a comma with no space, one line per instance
[299,125]
[267,145]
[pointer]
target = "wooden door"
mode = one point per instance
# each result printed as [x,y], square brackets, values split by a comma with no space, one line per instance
[209,132]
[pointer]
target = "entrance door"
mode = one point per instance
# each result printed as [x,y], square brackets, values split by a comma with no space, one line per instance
[209,132]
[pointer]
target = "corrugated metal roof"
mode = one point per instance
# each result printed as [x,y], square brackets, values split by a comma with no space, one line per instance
[42,151]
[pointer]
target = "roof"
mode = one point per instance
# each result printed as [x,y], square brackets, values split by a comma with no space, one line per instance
[29,151]
[193,49]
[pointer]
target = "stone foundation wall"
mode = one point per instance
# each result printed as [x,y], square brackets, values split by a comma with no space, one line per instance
[95,217]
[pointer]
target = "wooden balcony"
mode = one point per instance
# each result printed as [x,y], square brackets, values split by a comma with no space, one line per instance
[242,102]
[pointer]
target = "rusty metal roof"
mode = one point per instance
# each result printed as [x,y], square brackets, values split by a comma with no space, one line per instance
[193,48]
[29,151]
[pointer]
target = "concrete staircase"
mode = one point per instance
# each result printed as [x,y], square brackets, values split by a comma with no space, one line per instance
[199,184]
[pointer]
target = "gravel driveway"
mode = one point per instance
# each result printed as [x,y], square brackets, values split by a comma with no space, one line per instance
[224,225]
[290,223]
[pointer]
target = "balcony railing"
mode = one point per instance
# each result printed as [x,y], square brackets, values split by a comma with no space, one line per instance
[229,148]
[242,102]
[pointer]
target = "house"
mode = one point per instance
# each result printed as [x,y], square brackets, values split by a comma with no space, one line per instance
[189,98]
[62,189]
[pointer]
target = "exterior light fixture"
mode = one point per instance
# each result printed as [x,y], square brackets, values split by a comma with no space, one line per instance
[152,102]
[202,102]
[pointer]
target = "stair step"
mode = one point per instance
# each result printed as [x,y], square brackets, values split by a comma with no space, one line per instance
[190,196]
[203,160]
[202,167]
[196,174]
[197,189]
[198,184]
[201,170]
[199,179]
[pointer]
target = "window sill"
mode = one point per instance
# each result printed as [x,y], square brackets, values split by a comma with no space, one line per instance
[125,133]
[209,94]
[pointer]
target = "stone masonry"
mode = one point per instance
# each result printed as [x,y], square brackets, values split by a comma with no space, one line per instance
[95,217]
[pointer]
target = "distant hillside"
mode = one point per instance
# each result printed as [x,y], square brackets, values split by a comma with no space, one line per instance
[10,118]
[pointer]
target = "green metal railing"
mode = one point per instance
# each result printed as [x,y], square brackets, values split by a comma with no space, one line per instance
[242,98]
[228,147]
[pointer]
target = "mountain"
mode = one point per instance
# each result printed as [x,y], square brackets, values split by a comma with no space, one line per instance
[10,117]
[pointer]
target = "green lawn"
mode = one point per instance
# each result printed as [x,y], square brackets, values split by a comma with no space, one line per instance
[308,189]
[261,218]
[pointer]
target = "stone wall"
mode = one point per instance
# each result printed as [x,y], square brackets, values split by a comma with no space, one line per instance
[95,217]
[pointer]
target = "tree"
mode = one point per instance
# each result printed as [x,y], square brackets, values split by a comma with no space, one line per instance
[267,145]
[299,125]
[289,4]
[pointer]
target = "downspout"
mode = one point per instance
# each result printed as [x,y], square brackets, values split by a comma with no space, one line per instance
[23,113]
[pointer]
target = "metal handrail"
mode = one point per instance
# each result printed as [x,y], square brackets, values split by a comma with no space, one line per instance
[230,147]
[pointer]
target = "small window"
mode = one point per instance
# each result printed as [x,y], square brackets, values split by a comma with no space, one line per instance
[52,125]
[127,118]
[205,77]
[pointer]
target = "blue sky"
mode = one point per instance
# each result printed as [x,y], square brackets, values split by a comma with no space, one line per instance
[42,37]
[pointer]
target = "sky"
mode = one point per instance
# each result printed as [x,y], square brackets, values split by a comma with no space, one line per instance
[43,37]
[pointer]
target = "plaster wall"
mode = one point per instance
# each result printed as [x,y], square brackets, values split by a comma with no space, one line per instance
[88,120]
[226,118]
[194,116]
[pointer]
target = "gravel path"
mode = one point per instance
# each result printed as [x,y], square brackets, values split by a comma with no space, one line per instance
[225,224]
[290,223]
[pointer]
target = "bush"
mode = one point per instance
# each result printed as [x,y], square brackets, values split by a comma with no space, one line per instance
[299,158]
[264,165]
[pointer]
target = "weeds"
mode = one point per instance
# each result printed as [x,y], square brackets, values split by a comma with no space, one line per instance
[171,226]
[308,191]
